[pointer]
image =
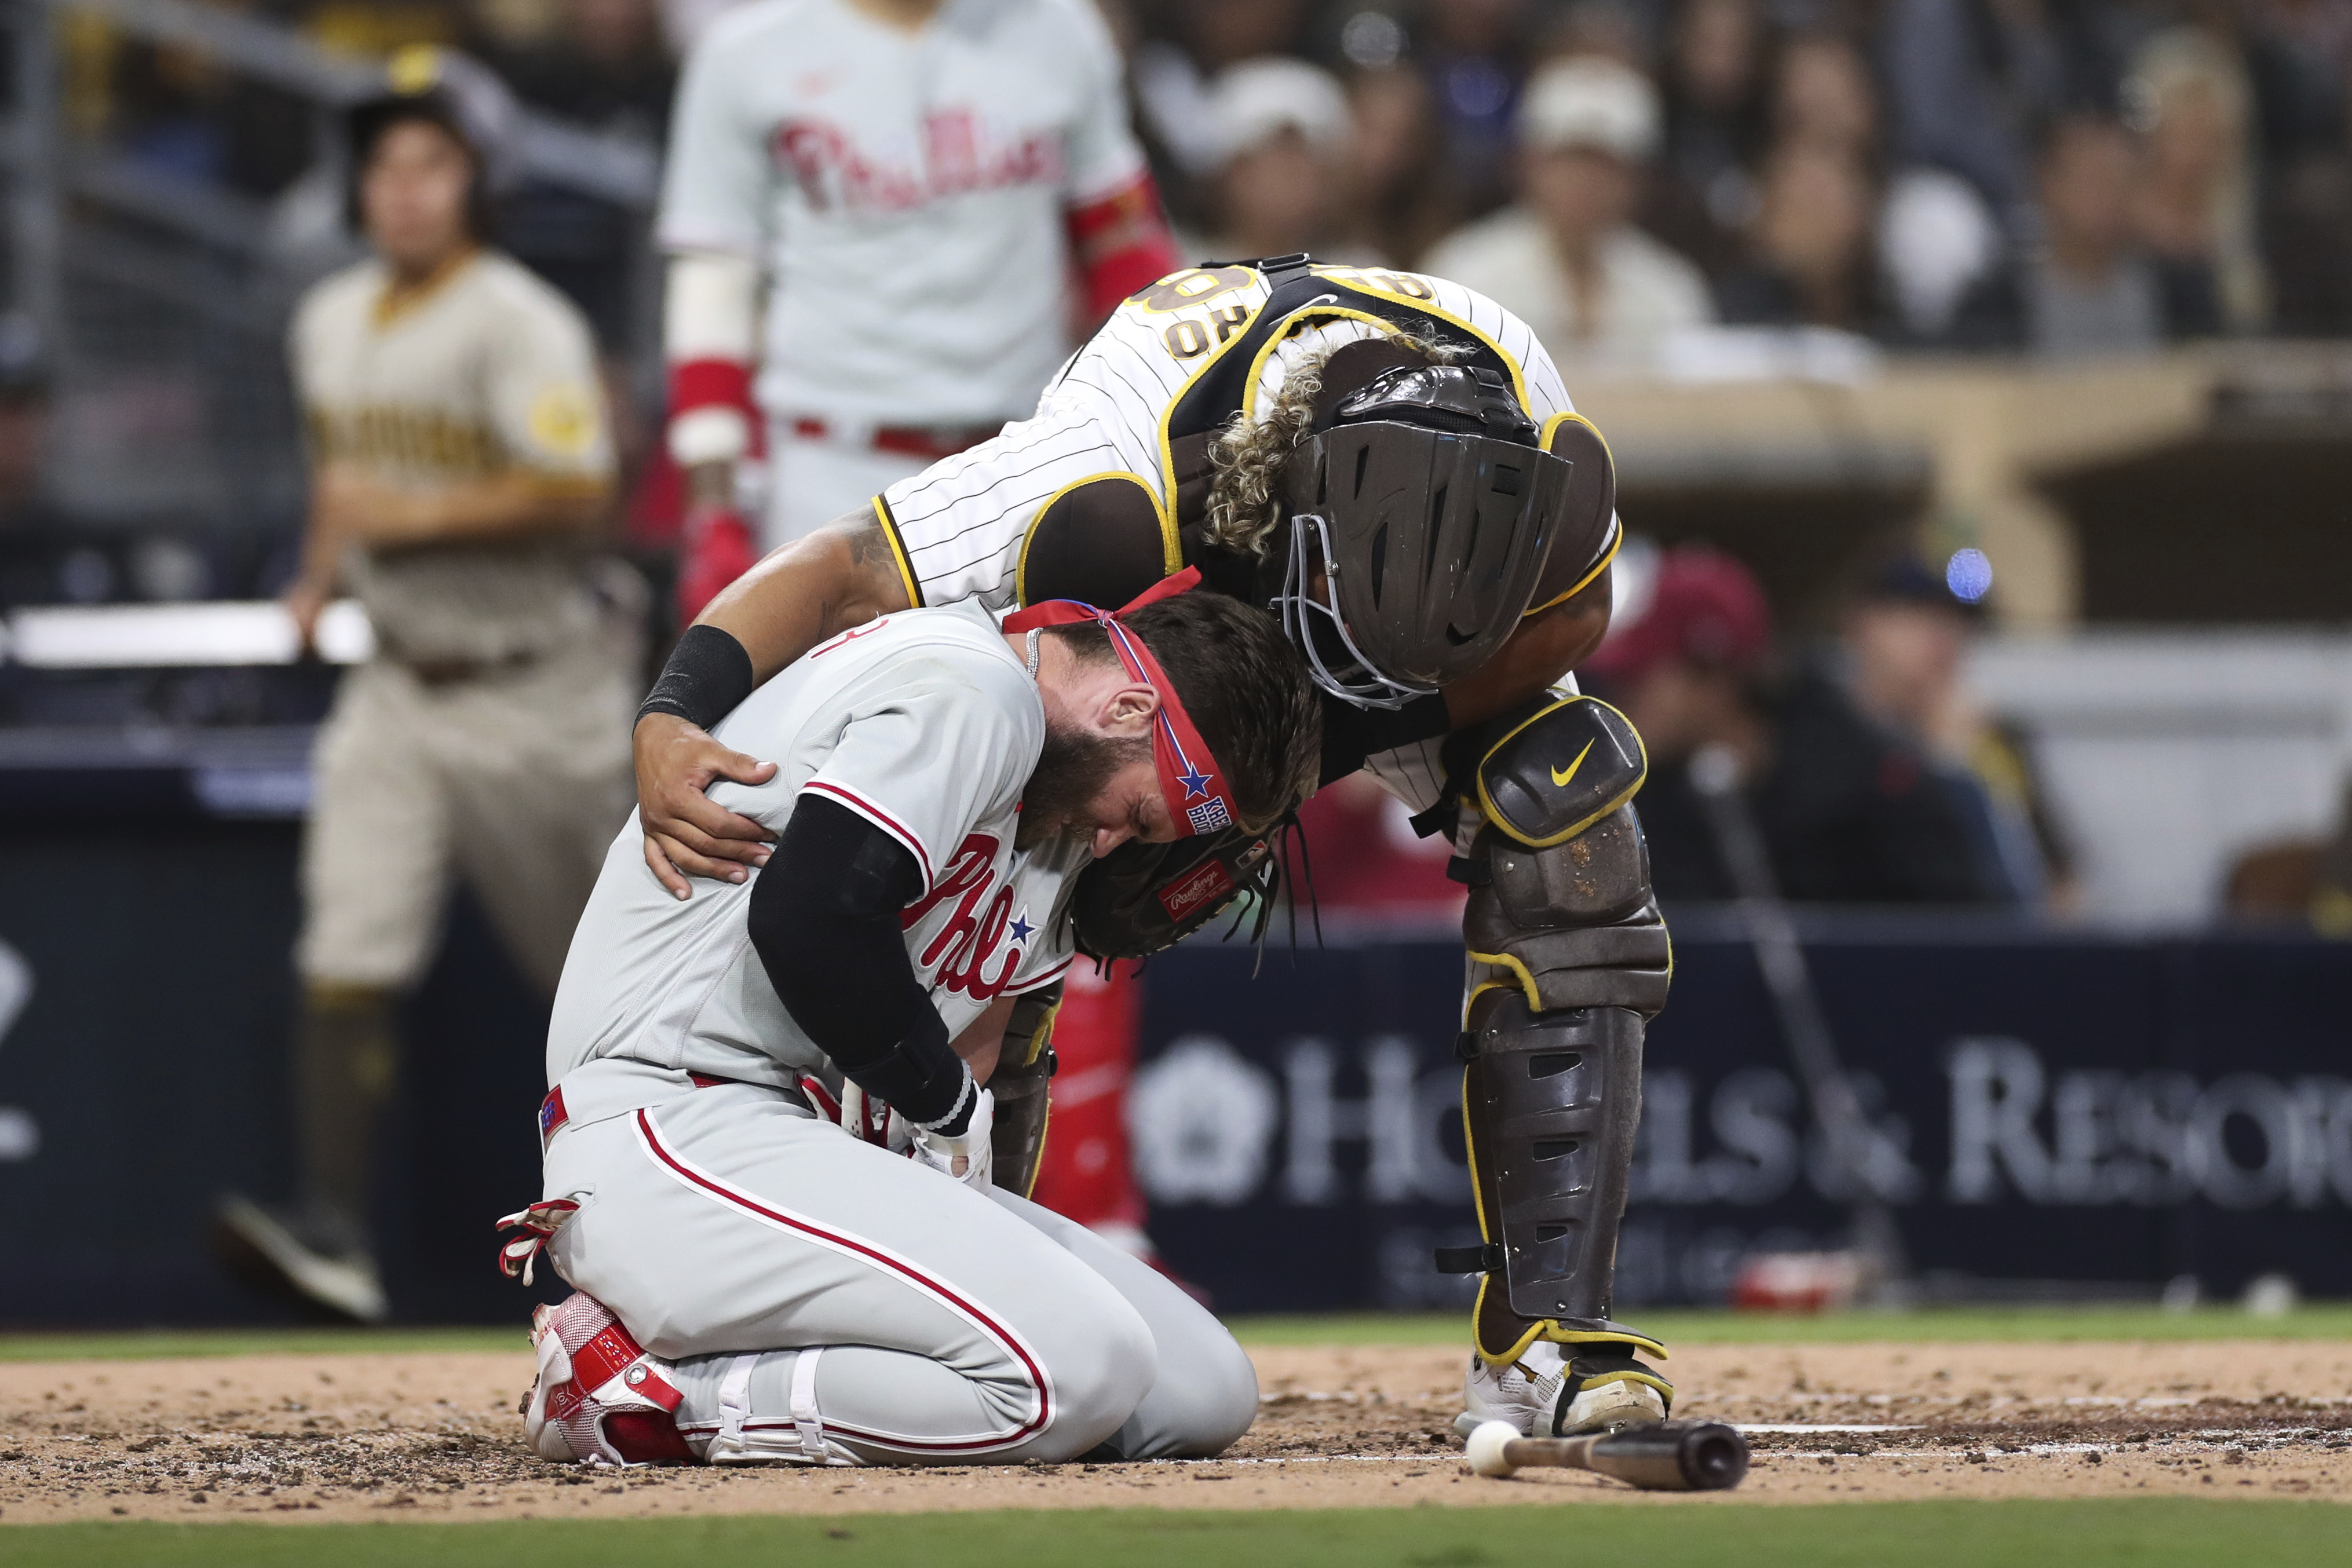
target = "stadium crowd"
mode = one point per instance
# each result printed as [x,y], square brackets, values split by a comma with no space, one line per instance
[2060,176]
[1643,180]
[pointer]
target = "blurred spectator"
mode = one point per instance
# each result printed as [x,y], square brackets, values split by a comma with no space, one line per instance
[1968,80]
[1603,29]
[1403,203]
[1852,809]
[174,111]
[1704,191]
[2088,288]
[1936,239]
[1823,98]
[1185,49]
[1282,181]
[367,28]
[1684,671]
[2299,60]
[1811,253]
[604,69]
[1475,54]
[1567,257]
[1904,642]
[2194,208]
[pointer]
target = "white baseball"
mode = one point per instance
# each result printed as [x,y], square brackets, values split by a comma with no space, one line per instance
[1485,1450]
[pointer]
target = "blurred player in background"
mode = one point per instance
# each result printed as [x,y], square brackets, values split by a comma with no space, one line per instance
[911,184]
[461,461]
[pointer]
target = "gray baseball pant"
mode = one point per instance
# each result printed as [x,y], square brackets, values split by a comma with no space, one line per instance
[827,1301]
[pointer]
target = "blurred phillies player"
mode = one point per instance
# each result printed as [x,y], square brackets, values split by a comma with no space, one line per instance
[914,181]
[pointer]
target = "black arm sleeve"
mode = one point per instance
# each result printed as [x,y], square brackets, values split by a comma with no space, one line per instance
[706,678]
[825,921]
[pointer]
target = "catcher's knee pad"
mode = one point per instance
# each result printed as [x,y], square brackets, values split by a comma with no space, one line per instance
[1560,903]
[1568,958]
[599,1397]
[1024,1071]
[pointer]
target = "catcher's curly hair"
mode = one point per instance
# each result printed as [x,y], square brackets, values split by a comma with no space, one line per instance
[1246,457]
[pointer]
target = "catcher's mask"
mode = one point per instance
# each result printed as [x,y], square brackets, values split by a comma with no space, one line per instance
[1426,507]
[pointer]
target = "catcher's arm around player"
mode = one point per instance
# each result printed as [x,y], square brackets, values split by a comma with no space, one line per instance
[847,573]
[814,588]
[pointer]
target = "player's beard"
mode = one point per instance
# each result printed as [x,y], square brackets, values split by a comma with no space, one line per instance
[1074,766]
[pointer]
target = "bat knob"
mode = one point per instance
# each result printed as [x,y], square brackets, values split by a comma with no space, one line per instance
[1485,1450]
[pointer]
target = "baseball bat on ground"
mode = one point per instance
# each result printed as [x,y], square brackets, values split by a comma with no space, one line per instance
[1660,1456]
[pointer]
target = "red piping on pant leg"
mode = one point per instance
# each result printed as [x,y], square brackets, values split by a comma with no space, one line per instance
[690,1175]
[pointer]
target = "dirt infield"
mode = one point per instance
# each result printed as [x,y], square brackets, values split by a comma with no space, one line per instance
[311,1438]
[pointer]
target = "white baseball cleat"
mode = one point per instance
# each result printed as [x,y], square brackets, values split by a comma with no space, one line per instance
[1544,1394]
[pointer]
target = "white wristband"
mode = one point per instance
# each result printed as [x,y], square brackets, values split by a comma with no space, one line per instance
[714,434]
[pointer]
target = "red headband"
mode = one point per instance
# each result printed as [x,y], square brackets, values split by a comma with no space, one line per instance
[1198,799]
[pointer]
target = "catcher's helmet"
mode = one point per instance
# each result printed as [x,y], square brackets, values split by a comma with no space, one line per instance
[444,88]
[1426,504]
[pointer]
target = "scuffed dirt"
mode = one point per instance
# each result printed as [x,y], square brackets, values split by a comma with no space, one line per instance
[436,1436]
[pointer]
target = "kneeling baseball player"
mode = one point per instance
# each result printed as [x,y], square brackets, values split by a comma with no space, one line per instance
[758,1284]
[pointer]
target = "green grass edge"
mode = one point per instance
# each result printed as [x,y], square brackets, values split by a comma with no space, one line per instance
[2091,1534]
[2326,1320]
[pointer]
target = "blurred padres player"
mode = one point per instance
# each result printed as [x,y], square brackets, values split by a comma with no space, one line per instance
[758,1284]
[1388,463]
[914,180]
[460,459]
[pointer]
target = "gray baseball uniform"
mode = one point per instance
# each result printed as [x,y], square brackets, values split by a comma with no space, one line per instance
[490,733]
[827,1301]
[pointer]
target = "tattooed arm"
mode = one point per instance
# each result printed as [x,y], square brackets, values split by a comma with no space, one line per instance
[840,576]
[843,575]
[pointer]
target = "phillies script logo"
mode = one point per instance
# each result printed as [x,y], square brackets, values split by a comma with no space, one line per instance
[972,933]
[959,156]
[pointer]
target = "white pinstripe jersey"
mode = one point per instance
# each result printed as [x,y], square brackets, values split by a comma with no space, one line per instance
[1172,361]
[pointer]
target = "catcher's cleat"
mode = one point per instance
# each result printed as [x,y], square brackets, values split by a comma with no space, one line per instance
[316,1255]
[1544,1395]
[599,1397]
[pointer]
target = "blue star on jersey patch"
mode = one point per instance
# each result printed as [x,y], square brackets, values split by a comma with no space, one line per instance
[1022,929]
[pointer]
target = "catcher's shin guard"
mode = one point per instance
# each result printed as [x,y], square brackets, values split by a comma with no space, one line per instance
[1022,1085]
[1568,960]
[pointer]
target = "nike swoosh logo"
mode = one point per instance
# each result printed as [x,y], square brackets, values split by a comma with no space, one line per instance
[1559,778]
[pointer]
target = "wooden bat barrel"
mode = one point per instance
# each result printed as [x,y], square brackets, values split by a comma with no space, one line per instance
[1659,1455]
